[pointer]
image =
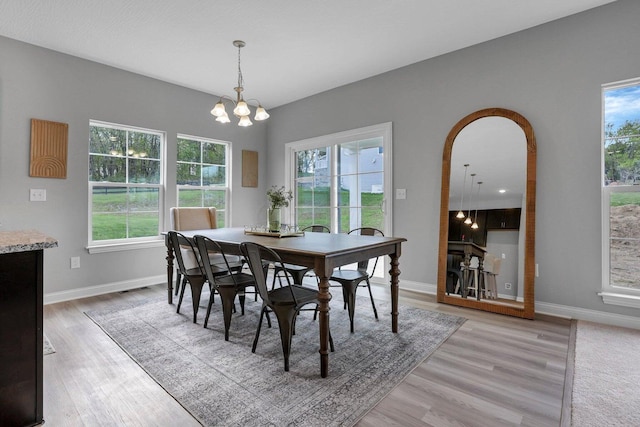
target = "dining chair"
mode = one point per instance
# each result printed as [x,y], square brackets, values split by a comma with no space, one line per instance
[297,272]
[286,301]
[228,283]
[351,279]
[491,271]
[194,275]
[190,218]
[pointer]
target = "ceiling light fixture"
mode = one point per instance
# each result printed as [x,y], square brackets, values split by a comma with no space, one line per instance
[241,109]
[460,214]
[475,221]
[468,221]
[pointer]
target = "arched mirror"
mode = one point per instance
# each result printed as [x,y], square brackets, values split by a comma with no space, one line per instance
[487,215]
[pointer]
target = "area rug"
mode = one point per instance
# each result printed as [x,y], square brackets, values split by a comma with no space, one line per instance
[47,348]
[223,383]
[606,382]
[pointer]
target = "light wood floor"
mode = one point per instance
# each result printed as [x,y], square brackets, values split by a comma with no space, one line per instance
[494,371]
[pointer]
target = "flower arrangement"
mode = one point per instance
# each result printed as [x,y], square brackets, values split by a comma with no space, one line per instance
[279,197]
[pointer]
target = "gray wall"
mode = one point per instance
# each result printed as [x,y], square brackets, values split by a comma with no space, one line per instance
[38,83]
[551,74]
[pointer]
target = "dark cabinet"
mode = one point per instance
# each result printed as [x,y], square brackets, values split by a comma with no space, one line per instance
[506,219]
[489,219]
[21,338]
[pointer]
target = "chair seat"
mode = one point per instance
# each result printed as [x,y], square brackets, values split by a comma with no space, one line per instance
[294,267]
[348,275]
[239,280]
[282,296]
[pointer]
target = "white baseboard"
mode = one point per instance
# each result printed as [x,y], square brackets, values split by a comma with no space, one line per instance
[91,291]
[557,310]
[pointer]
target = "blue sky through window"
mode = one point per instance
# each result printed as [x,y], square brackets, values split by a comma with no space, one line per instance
[622,104]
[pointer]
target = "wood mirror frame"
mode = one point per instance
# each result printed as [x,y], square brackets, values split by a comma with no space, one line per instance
[527,309]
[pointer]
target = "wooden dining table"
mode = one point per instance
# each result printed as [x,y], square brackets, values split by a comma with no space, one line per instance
[321,251]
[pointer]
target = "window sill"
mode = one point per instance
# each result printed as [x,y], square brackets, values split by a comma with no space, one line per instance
[624,300]
[116,247]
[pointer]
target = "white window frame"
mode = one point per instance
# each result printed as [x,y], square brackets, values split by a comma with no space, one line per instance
[226,187]
[112,245]
[383,130]
[627,297]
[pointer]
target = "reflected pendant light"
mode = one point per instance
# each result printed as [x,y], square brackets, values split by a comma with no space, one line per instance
[241,109]
[468,221]
[475,221]
[460,214]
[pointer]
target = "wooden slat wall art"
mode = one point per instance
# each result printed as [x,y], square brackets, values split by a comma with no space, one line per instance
[249,168]
[48,149]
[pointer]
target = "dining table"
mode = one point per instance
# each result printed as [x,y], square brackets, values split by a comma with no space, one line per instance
[321,251]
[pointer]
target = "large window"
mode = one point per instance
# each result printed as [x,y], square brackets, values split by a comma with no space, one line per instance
[203,174]
[125,183]
[342,180]
[621,193]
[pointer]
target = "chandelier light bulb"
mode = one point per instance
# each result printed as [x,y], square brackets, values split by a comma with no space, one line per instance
[261,113]
[474,225]
[468,220]
[242,109]
[460,215]
[224,118]
[245,121]
[219,110]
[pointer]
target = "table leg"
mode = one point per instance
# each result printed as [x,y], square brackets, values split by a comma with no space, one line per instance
[394,272]
[323,298]
[169,270]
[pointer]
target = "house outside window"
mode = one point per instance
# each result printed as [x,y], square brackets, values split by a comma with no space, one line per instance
[621,193]
[203,175]
[125,184]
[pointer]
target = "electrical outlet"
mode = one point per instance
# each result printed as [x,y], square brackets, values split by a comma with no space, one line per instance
[75,262]
[401,193]
[507,286]
[37,195]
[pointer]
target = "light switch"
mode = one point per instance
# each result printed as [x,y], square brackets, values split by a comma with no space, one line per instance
[401,193]
[38,195]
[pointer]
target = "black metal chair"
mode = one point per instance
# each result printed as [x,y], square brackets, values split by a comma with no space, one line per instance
[194,275]
[297,272]
[228,284]
[350,279]
[286,302]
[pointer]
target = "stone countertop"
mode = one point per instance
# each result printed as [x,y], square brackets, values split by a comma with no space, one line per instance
[24,241]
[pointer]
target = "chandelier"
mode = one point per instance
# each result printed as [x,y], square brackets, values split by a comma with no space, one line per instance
[241,109]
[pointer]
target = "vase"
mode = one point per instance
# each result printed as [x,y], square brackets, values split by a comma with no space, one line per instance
[273,219]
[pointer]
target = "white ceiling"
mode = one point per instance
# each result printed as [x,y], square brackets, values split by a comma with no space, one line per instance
[294,48]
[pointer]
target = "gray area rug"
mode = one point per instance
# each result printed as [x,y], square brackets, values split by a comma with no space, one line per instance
[47,348]
[606,382]
[223,383]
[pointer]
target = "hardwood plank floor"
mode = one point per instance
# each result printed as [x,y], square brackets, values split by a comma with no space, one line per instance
[494,371]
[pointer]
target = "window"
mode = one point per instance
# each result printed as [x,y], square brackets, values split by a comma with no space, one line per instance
[125,184]
[203,175]
[342,180]
[621,193]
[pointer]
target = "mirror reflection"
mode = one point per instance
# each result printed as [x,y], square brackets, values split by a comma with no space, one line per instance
[484,229]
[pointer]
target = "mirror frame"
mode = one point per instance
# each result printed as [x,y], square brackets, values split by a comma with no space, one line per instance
[527,311]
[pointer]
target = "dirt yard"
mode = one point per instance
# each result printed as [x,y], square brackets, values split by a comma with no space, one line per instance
[625,254]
